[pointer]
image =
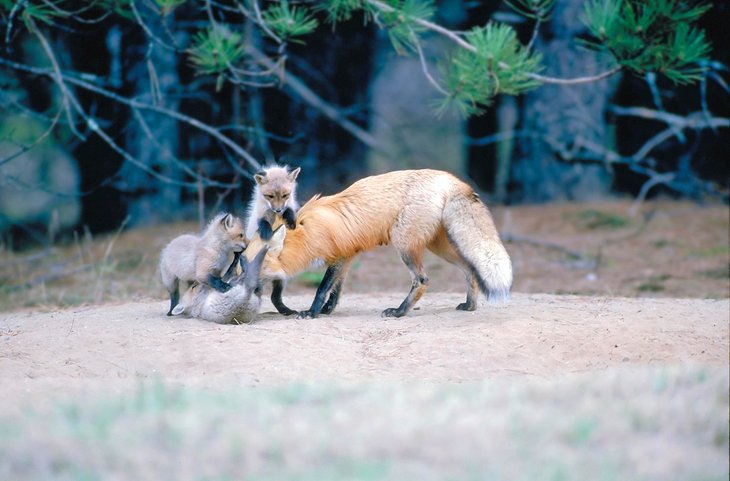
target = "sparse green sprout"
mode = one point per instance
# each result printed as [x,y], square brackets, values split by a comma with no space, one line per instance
[289,22]
[539,10]
[167,6]
[500,64]
[40,12]
[215,50]
[402,25]
[650,36]
[341,10]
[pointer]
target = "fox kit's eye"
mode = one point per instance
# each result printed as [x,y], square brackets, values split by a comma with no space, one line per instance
[286,196]
[269,196]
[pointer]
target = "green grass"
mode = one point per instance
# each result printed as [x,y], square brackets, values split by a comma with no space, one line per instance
[595,219]
[576,427]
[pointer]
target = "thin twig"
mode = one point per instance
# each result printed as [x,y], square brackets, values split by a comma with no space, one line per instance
[306,94]
[37,141]
[424,66]
[57,76]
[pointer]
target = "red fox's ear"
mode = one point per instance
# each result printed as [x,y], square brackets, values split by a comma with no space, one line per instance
[276,243]
[260,178]
[294,173]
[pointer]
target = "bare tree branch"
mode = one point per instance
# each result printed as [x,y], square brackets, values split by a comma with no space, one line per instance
[307,95]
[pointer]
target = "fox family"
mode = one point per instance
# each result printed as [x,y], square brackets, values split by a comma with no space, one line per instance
[204,263]
[412,210]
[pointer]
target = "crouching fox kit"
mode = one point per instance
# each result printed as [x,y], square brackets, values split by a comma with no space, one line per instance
[413,210]
[203,258]
[274,195]
[238,305]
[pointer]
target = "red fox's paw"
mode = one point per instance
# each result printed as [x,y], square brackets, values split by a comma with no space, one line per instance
[306,314]
[288,312]
[393,312]
[467,306]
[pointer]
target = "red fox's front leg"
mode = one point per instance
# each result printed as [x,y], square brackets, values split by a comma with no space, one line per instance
[276,300]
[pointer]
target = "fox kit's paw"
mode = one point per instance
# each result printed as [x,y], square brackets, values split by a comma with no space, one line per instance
[290,218]
[218,284]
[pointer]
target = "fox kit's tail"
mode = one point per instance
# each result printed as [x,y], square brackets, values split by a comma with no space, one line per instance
[471,230]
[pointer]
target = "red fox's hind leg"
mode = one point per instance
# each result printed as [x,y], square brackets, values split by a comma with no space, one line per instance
[334,298]
[472,291]
[419,283]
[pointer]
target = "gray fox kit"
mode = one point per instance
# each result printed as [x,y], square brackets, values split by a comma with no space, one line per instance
[238,305]
[274,194]
[204,257]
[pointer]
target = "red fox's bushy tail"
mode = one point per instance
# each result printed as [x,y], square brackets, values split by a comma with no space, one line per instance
[470,228]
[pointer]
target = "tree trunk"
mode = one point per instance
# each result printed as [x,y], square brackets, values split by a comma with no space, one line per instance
[153,75]
[563,115]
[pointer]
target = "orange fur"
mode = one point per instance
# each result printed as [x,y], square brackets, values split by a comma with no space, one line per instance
[412,210]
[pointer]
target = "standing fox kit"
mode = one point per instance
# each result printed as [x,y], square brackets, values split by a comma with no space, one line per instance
[203,258]
[413,210]
[274,194]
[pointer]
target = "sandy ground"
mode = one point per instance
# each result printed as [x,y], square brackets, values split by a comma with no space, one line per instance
[80,351]
[628,379]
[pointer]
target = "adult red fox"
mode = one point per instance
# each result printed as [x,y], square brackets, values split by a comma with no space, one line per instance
[413,210]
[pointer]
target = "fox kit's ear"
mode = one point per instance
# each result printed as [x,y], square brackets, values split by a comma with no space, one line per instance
[276,243]
[177,310]
[226,222]
[260,178]
[294,173]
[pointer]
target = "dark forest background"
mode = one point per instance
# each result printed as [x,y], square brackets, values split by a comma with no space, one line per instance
[102,108]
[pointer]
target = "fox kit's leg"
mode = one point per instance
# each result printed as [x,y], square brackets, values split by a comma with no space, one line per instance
[290,218]
[413,259]
[331,282]
[232,268]
[277,289]
[217,283]
[174,295]
[265,223]
[342,270]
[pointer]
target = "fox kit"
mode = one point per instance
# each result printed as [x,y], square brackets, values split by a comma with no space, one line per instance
[413,210]
[203,258]
[274,194]
[239,305]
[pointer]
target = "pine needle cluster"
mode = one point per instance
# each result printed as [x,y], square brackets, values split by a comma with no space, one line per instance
[655,36]
[499,64]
